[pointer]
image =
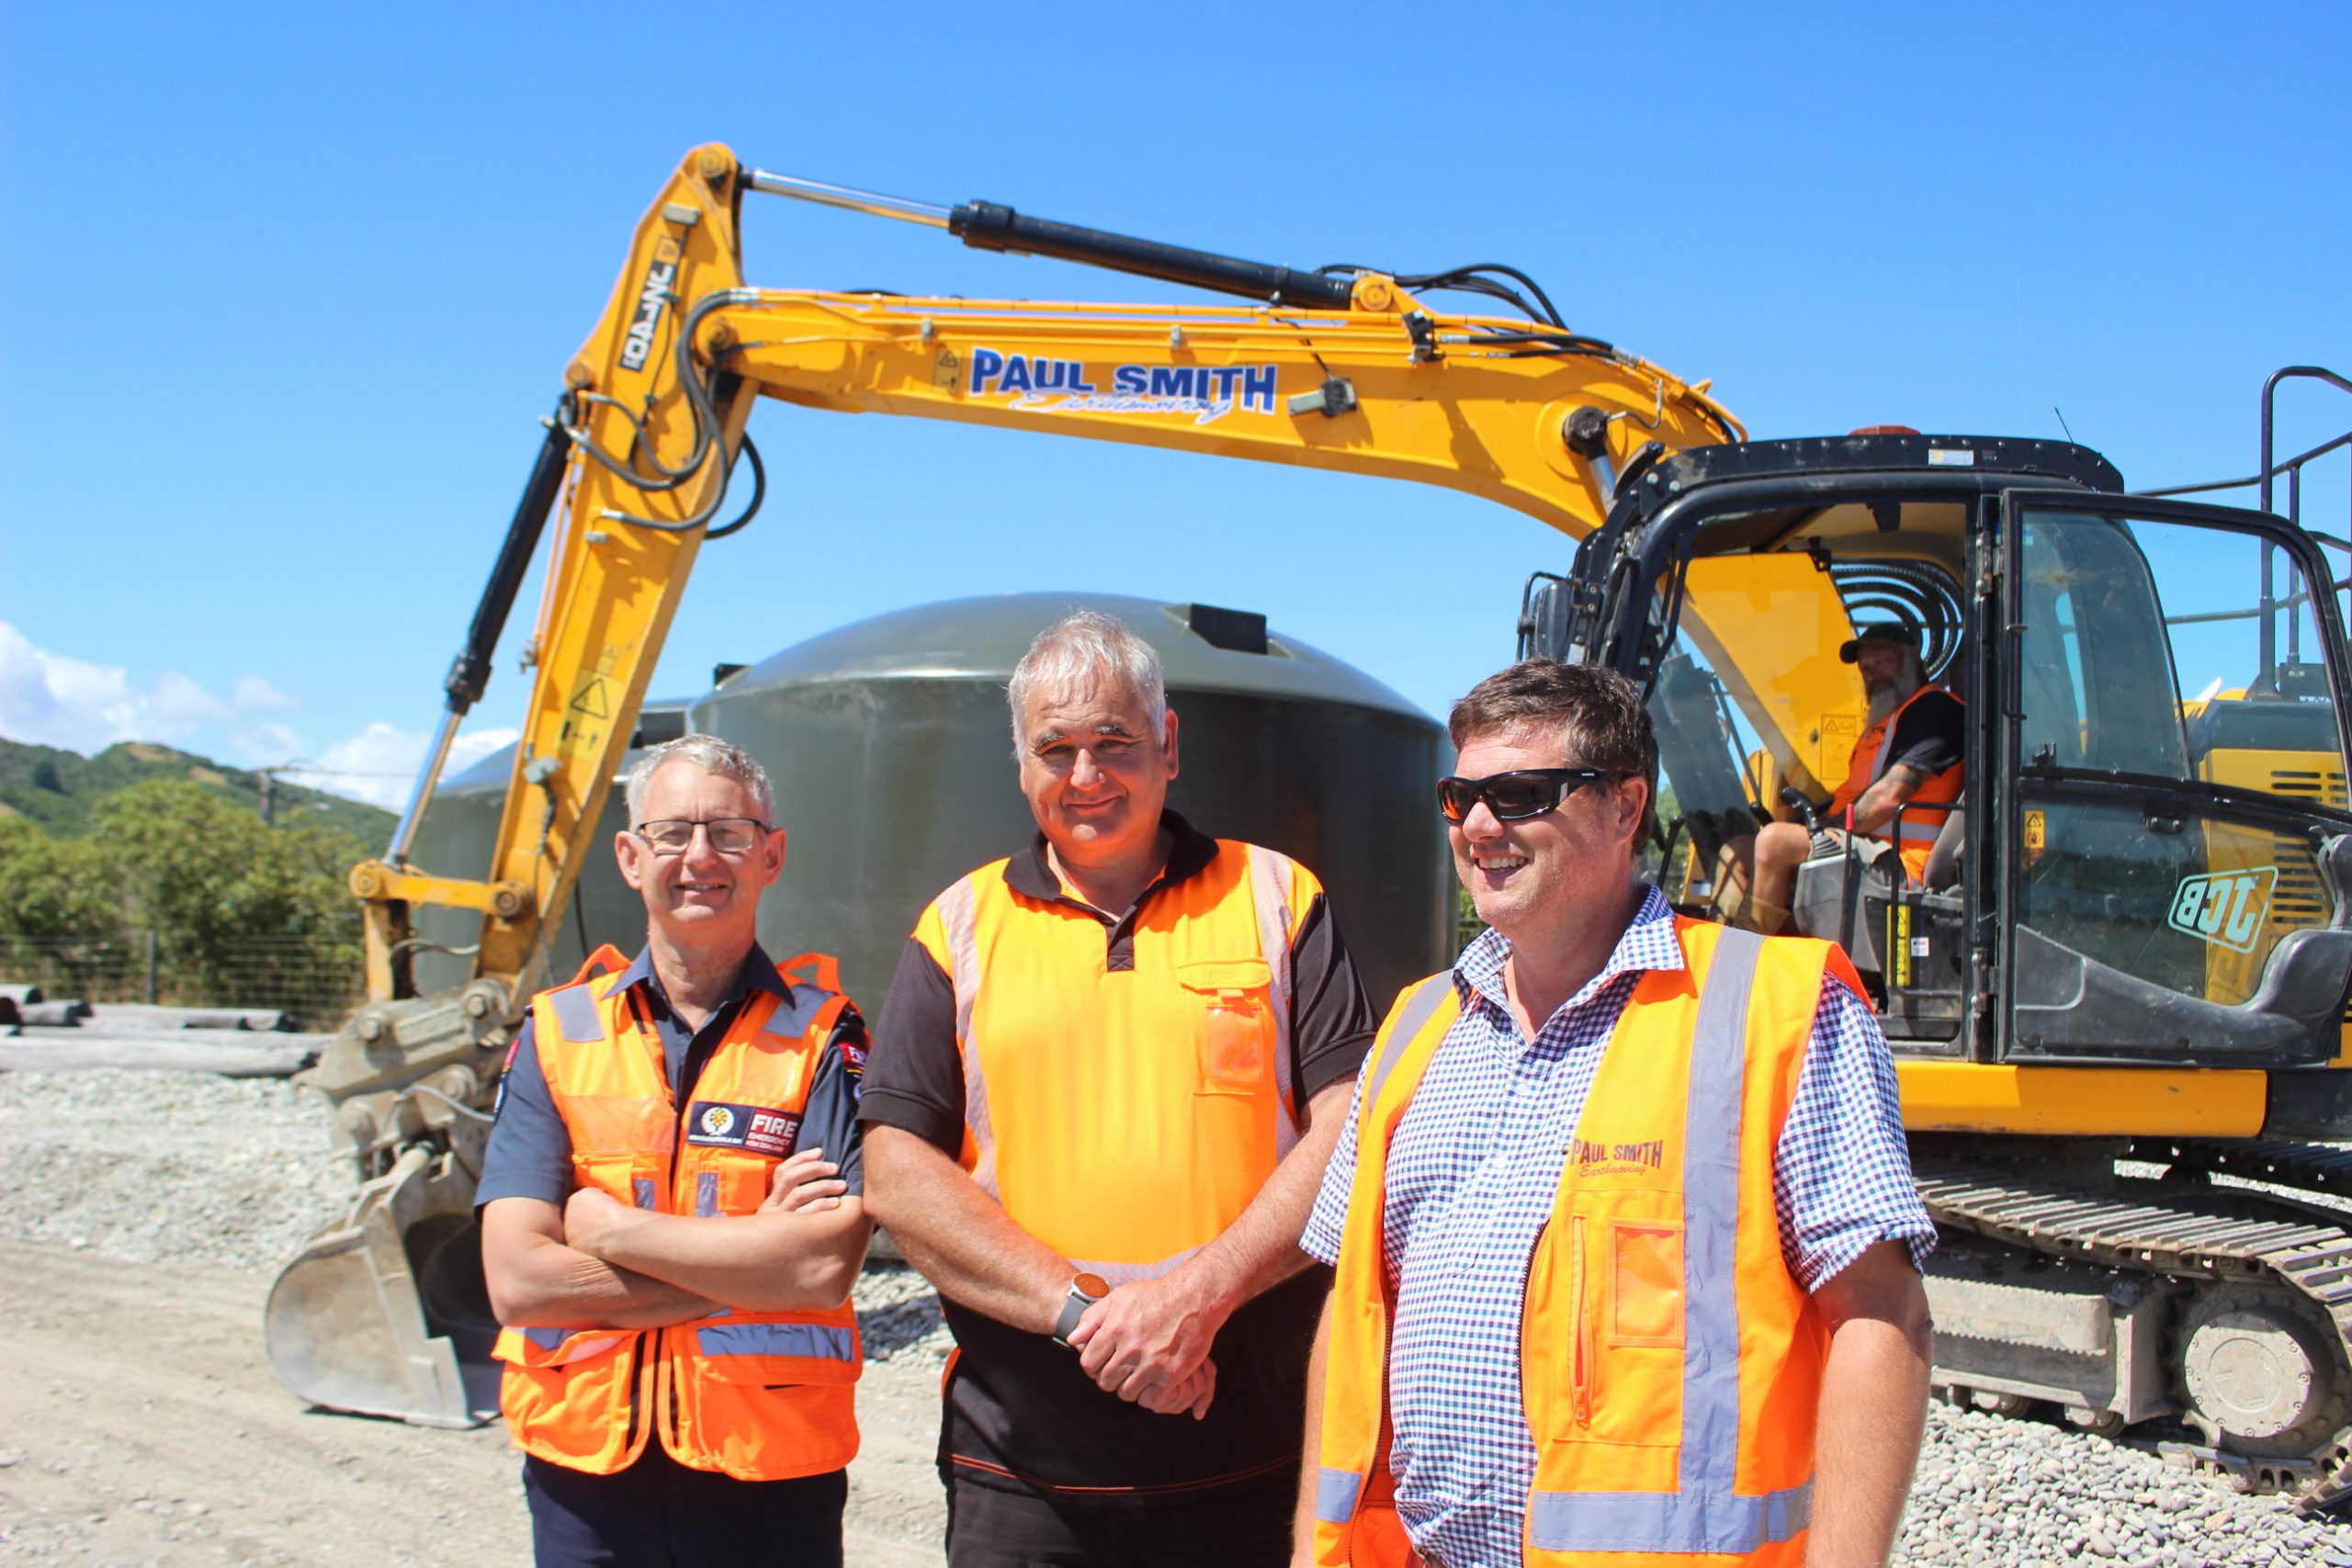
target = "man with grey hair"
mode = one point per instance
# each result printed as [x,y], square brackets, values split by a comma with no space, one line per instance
[1110,1071]
[672,1214]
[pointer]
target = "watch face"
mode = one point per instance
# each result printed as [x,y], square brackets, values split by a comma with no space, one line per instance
[1091,1286]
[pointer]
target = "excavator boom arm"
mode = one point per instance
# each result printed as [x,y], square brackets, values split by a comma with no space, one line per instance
[657,399]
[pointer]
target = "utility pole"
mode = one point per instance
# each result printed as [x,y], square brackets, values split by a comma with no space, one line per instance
[268,777]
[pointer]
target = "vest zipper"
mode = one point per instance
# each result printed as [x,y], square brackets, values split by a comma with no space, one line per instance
[680,1099]
[1580,1375]
[636,1365]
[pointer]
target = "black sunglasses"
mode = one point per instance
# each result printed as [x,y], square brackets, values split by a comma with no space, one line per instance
[1515,796]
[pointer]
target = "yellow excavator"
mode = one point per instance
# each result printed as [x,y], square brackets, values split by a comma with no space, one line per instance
[2117,998]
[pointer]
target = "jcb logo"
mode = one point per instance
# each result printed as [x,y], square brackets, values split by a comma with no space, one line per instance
[2226,907]
[653,298]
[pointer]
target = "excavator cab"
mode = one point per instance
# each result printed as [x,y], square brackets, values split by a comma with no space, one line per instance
[2150,864]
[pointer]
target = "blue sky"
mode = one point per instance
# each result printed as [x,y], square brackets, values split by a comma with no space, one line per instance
[284,291]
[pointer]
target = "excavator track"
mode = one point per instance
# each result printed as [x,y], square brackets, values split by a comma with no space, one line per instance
[2185,1233]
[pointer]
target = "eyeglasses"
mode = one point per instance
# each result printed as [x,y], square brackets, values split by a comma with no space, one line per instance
[728,835]
[1517,794]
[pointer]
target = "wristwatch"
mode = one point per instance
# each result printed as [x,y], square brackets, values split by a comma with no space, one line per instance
[1085,1290]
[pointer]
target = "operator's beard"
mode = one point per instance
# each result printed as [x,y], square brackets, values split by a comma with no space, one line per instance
[1894,694]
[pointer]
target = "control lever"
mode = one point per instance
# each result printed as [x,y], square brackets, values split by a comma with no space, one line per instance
[1824,847]
[1797,800]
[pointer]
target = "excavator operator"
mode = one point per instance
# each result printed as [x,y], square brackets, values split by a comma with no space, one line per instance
[1908,762]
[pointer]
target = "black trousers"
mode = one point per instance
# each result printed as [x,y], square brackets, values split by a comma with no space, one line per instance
[660,1513]
[989,1528]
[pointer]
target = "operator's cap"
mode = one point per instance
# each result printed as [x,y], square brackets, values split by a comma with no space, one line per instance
[1893,636]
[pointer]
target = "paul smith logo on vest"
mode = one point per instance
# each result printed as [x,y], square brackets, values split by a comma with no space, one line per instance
[755,1129]
[1617,1159]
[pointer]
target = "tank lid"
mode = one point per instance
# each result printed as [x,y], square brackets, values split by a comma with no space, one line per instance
[1201,647]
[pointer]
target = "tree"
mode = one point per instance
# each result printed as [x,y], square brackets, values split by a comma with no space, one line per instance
[62,898]
[55,887]
[210,879]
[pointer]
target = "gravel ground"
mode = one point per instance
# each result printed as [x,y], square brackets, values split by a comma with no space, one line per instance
[167,1165]
[152,1167]
[897,1315]
[156,1165]
[2024,1494]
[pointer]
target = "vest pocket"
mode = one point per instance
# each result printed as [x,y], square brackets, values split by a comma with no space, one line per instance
[1645,1283]
[633,1178]
[1601,1330]
[1234,1040]
[726,1181]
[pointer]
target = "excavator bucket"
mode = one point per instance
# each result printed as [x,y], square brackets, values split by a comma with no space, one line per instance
[384,1313]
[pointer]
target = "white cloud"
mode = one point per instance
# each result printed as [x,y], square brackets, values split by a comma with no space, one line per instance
[265,743]
[253,693]
[379,764]
[54,699]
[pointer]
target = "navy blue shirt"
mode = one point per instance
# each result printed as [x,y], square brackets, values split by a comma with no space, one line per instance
[530,1148]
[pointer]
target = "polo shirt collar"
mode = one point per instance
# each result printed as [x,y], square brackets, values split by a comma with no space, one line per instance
[760,974]
[1031,874]
[1647,942]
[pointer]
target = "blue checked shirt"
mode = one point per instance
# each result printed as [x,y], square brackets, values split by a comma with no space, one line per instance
[1472,1174]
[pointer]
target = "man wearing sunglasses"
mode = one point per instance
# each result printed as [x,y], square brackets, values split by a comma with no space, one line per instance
[671,1209]
[1110,1071]
[1626,1243]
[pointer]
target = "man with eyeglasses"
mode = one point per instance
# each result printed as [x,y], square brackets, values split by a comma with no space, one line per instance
[671,1209]
[1626,1243]
[1109,1073]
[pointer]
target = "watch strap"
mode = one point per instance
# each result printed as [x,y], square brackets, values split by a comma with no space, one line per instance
[1074,1307]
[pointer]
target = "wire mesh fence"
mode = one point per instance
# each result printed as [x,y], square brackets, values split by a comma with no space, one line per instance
[317,980]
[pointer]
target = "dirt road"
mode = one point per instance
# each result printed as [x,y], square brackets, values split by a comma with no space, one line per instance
[139,1424]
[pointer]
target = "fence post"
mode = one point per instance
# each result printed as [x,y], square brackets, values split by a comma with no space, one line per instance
[150,965]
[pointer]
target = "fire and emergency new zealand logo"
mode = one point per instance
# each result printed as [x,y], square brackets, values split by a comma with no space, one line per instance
[756,1129]
[2226,907]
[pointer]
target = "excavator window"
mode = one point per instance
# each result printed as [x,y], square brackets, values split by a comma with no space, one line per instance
[2174,729]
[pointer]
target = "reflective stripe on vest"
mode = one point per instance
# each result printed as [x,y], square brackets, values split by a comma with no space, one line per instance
[776,1340]
[1412,1013]
[1704,1515]
[576,1016]
[1270,892]
[1335,1495]
[956,914]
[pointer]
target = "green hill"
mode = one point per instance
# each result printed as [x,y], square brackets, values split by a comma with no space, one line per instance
[57,789]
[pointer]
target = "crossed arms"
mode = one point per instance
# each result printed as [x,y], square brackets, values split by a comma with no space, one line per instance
[594,1262]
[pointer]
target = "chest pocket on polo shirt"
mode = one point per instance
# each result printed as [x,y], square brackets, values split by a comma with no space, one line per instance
[1234,1024]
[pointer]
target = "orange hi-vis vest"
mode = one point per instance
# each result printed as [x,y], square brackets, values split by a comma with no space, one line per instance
[758,1395]
[1125,1118]
[1670,1365]
[1912,830]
